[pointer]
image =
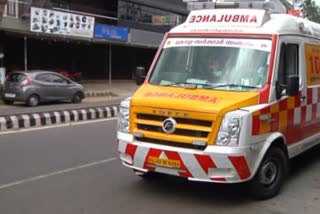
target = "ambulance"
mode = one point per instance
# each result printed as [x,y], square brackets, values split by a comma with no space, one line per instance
[231,96]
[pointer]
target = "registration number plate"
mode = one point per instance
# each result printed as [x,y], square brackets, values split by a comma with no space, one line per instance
[164,162]
[9,95]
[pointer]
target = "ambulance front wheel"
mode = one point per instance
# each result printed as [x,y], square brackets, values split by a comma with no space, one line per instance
[270,176]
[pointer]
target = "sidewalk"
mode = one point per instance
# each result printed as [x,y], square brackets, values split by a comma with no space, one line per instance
[97,89]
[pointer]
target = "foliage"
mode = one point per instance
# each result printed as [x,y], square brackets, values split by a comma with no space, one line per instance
[287,4]
[310,10]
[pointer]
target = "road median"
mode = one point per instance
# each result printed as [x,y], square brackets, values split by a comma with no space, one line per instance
[41,119]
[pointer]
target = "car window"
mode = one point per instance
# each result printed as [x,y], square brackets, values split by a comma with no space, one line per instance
[16,77]
[57,79]
[51,78]
[43,77]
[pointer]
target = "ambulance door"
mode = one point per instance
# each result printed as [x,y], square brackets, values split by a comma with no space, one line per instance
[292,110]
[312,70]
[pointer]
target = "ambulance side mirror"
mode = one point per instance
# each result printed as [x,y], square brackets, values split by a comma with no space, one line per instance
[292,85]
[279,89]
[140,75]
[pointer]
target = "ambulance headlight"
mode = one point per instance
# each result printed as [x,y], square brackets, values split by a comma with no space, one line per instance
[123,118]
[229,132]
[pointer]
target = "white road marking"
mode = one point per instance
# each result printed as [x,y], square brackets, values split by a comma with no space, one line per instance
[93,121]
[51,174]
[56,126]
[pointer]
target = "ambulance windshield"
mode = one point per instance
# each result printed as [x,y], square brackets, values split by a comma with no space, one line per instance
[213,63]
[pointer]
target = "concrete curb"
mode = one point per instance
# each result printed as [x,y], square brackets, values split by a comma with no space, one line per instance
[100,94]
[33,120]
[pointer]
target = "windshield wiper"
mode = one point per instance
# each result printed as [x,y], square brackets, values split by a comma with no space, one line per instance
[184,84]
[191,85]
[236,85]
[208,86]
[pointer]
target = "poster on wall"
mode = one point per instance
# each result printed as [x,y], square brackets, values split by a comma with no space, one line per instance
[56,22]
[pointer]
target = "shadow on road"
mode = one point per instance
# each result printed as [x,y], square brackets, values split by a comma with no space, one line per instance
[304,162]
[220,194]
[197,192]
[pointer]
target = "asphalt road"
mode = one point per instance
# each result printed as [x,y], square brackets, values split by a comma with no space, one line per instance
[75,169]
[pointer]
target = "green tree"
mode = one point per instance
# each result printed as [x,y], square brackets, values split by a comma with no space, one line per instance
[310,10]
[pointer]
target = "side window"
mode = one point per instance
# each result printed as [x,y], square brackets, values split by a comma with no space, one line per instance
[43,78]
[57,79]
[289,62]
[51,78]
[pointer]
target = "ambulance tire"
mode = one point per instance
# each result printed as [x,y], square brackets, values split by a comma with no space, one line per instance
[270,175]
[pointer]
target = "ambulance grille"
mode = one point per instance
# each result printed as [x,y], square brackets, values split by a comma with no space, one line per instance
[187,130]
[179,120]
[184,132]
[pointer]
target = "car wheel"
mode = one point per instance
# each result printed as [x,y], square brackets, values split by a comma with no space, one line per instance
[8,102]
[33,100]
[77,97]
[270,176]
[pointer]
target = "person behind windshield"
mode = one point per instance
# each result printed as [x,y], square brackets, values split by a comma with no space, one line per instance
[262,73]
[214,69]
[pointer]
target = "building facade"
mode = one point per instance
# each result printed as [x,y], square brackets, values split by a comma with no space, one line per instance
[101,39]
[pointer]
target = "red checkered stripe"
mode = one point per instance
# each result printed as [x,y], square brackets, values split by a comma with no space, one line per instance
[290,116]
[192,165]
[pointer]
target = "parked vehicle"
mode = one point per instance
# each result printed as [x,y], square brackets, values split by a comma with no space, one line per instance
[37,86]
[75,76]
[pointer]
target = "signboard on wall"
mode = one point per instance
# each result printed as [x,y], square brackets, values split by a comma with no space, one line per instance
[56,22]
[165,20]
[111,32]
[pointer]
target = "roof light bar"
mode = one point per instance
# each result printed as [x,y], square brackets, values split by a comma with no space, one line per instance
[269,5]
[201,5]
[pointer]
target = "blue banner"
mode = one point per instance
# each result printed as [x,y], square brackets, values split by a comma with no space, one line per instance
[111,32]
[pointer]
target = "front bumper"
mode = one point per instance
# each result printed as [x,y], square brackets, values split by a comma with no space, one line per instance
[214,164]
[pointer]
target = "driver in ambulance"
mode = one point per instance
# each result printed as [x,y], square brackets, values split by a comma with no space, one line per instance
[214,69]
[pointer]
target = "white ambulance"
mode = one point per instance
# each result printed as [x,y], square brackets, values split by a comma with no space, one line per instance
[232,95]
